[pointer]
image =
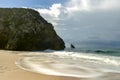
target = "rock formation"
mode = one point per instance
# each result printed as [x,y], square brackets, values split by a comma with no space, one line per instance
[25,30]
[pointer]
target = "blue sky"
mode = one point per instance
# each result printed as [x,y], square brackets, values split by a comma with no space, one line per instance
[81,22]
[28,3]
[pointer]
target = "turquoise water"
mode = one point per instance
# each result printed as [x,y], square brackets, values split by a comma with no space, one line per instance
[110,52]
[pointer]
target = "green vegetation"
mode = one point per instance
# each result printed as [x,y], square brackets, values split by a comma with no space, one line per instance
[25,29]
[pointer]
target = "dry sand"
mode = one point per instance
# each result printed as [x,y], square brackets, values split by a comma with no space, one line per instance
[9,71]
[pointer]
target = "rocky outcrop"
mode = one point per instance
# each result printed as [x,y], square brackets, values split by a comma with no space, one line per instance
[24,29]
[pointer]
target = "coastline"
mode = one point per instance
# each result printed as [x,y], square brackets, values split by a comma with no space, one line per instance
[9,71]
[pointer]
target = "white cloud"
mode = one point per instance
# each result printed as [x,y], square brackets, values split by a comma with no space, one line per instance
[58,11]
[100,16]
[89,5]
[111,4]
[52,14]
[53,11]
[78,5]
[73,6]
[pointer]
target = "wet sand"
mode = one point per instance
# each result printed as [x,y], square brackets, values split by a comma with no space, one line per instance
[9,71]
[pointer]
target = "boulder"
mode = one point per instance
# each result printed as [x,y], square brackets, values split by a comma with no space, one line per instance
[25,30]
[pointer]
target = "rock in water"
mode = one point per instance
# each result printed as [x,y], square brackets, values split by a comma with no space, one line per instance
[25,30]
[72,46]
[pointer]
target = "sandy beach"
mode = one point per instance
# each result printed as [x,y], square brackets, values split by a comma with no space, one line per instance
[9,71]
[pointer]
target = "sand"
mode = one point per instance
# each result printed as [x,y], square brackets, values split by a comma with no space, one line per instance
[9,71]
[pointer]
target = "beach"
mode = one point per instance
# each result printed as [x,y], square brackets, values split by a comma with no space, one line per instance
[58,65]
[9,70]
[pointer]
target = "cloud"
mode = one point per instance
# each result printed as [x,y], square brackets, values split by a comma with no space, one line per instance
[91,5]
[52,13]
[58,11]
[85,20]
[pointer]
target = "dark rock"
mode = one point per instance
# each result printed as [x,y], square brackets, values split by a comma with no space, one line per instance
[24,29]
[72,46]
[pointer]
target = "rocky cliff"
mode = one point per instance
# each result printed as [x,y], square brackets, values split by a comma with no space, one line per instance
[25,30]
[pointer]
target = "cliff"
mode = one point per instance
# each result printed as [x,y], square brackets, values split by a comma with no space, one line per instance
[25,30]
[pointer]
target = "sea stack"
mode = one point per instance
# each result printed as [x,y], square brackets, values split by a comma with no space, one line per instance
[72,46]
[25,30]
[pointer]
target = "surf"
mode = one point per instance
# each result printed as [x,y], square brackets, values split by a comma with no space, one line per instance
[71,64]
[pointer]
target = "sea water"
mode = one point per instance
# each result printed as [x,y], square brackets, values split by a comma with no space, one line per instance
[88,64]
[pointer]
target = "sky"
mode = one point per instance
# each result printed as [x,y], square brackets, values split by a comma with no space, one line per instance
[81,22]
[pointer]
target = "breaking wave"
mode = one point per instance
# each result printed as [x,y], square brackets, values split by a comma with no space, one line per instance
[72,64]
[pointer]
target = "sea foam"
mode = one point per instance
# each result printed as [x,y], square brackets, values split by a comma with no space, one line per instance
[62,63]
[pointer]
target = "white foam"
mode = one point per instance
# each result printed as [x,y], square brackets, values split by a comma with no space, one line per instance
[94,57]
[26,64]
[69,64]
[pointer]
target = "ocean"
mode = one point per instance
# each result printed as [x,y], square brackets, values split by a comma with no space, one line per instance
[82,63]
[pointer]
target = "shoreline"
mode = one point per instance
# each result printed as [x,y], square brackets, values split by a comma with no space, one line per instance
[9,71]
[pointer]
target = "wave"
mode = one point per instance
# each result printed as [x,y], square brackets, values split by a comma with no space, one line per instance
[63,63]
[110,52]
[97,58]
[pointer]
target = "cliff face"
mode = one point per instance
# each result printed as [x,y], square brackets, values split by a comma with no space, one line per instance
[25,29]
